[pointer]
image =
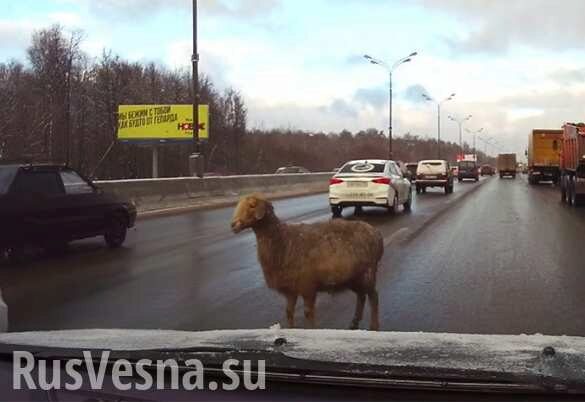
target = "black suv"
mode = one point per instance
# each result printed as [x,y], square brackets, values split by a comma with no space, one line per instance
[48,206]
[467,170]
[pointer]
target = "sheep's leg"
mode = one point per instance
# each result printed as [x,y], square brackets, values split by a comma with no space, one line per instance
[291,303]
[359,310]
[309,304]
[373,298]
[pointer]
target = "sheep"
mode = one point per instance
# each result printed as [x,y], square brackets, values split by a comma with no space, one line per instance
[304,259]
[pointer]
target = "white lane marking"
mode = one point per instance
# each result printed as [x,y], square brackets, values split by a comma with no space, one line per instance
[394,236]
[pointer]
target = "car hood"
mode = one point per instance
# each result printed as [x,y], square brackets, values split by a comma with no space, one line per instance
[558,358]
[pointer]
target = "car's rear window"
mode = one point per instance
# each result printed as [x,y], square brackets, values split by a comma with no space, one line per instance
[466,164]
[7,174]
[363,167]
[431,167]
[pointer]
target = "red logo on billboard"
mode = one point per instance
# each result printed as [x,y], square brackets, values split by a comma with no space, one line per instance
[189,126]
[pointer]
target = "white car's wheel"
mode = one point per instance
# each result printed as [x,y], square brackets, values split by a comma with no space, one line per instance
[408,204]
[395,206]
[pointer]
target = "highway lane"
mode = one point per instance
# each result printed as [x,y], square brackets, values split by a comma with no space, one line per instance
[507,261]
[179,272]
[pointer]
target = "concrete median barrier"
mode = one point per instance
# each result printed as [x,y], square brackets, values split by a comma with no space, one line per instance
[154,194]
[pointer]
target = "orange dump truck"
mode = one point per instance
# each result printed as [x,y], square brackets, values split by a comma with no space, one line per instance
[544,155]
[573,164]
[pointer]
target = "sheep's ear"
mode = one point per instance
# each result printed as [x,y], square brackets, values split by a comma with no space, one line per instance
[260,210]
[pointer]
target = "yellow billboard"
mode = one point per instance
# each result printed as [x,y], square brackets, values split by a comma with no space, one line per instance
[160,122]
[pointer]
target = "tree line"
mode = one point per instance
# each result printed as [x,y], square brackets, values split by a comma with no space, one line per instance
[60,106]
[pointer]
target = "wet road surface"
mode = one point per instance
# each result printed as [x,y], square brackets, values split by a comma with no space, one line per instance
[496,257]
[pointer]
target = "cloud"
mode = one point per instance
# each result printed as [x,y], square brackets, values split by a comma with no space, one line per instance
[552,101]
[66,19]
[355,59]
[335,116]
[414,93]
[121,9]
[508,119]
[211,63]
[495,26]
[568,76]
[15,33]
[342,108]
[375,97]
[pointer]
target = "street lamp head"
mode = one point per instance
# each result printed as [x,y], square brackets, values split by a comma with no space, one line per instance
[413,54]
[406,60]
[367,56]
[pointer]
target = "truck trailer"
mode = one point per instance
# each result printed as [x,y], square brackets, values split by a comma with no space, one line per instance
[573,164]
[506,165]
[544,155]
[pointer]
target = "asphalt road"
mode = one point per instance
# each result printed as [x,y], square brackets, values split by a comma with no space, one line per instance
[496,257]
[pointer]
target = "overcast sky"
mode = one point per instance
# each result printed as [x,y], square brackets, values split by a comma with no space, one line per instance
[513,64]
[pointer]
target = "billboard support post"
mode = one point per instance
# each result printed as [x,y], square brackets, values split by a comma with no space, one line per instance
[155,162]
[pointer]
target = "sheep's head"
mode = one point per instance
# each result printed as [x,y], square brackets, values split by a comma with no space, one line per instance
[250,210]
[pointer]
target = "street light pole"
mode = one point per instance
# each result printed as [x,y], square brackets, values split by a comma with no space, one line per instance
[486,141]
[460,123]
[428,98]
[195,162]
[390,153]
[474,135]
[438,130]
[390,70]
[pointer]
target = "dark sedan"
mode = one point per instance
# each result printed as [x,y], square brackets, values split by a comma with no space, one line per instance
[49,206]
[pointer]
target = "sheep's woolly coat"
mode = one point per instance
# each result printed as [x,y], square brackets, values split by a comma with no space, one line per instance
[327,256]
[304,259]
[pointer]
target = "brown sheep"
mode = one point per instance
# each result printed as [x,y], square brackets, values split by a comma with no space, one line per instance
[303,259]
